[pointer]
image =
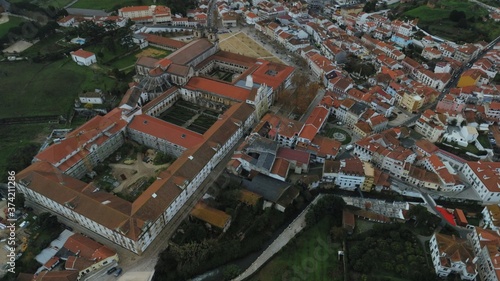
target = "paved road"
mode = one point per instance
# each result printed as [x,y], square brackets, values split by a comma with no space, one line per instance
[432,206]
[295,227]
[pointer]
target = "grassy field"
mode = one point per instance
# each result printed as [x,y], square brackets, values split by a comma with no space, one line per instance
[298,253]
[108,4]
[443,9]
[436,20]
[13,22]
[46,89]
[15,136]
[45,3]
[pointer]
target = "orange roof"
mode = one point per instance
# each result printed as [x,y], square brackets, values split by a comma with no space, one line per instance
[166,131]
[87,248]
[210,215]
[326,146]
[318,117]
[82,53]
[163,41]
[488,174]
[271,73]
[83,135]
[218,87]
[280,167]
[134,8]
[308,132]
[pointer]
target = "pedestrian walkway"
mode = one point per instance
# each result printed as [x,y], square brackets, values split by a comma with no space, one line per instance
[295,227]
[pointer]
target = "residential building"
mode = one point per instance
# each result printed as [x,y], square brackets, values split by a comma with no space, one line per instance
[153,14]
[83,57]
[452,255]
[484,178]
[486,244]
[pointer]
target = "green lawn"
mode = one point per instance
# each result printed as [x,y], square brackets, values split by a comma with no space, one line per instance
[45,3]
[45,89]
[484,141]
[13,22]
[290,261]
[109,4]
[443,9]
[436,20]
[329,133]
[45,46]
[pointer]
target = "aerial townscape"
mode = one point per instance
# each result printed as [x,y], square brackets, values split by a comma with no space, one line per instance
[250,140]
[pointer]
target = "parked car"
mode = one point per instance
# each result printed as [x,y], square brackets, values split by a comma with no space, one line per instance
[111,270]
[118,272]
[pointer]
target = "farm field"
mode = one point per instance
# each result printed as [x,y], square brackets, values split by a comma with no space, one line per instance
[240,43]
[39,90]
[12,22]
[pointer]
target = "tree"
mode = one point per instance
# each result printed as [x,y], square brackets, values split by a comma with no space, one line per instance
[338,233]
[456,15]
[231,271]
[370,6]
[109,43]
[89,106]
[462,23]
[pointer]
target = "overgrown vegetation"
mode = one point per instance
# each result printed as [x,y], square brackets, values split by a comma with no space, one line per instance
[457,20]
[298,98]
[388,252]
[196,248]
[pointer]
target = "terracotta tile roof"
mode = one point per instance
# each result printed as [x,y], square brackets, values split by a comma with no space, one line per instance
[280,167]
[82,53]
[314,122]
[164,130]
[43,178]
[147,62]
[210,215]
[488,174]
[293,155]
[271,73]
[51,262]
[88,248]
[326,146]
[457,250]
[82,136]
[218,88]
[190,51]
[134,8]
[426,146]
[163,41]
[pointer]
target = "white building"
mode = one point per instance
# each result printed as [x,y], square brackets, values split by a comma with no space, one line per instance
[484,178]
[452,255]
[83,57]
